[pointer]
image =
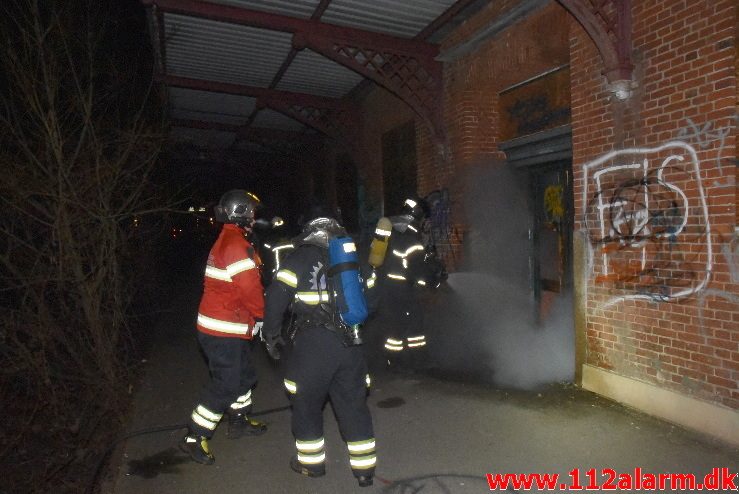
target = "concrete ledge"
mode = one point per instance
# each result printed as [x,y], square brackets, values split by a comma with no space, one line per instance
[715,420]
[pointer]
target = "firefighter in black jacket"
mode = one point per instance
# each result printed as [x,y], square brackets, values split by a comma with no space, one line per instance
[326,359]
[405,267]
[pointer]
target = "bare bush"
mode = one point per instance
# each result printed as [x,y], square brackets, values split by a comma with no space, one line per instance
[79,140]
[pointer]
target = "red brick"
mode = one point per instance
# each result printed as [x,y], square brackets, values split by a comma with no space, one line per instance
[687,71]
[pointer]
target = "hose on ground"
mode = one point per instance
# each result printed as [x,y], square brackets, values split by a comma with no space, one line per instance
[151,430]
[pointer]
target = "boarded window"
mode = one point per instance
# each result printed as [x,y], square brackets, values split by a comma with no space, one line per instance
[539,104]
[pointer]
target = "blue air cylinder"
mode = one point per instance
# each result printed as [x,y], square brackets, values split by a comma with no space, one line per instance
[344,271]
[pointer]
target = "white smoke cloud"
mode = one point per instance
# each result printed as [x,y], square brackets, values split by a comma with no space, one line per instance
[482,324]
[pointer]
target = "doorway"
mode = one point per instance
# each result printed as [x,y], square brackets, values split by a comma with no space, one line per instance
[550,234]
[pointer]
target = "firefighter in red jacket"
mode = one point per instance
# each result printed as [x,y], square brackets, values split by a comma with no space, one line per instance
[229,316]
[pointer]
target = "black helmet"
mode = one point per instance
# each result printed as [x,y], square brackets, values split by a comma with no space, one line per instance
[237,206]
[322,224]
[416,207]
[320,211]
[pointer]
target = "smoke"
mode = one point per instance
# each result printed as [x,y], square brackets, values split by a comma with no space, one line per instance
[483,322]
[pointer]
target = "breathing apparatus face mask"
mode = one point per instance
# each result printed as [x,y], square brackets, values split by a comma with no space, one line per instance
[415,208]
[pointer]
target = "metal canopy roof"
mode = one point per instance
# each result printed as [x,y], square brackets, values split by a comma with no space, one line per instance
[237,67]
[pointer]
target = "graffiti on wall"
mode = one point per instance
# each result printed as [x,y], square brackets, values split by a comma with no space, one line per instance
[706,136]
[438,229]
[647,219]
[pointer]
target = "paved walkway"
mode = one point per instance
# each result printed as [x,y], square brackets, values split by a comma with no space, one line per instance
[433,436]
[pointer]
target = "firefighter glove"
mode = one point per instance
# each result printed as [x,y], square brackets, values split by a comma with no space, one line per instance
[271,343]
[257,328]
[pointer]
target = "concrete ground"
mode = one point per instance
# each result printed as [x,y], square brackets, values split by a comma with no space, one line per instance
[433,435]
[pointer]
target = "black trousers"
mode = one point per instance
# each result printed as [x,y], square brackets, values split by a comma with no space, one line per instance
[232,376]
[401,309]
[321,367]
[401,322]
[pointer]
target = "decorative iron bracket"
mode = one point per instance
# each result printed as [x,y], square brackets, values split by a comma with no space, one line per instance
[334,121]
[608,23]
[414,76]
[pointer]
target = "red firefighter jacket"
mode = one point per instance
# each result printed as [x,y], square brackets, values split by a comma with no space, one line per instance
[233,296]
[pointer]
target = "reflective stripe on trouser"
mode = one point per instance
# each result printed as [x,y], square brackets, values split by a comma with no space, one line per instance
[242,403]
[401,318]
[326,367]
[415,342]
[311,452]
[362,456]
[205,418]
[393,345]
[231,378]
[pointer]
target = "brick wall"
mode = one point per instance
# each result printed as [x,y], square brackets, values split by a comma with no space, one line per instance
[472,84]
[660,307]
[685,56]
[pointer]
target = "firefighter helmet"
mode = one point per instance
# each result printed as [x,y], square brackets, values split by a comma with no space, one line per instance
[416,207]
[319,211]
[321,226]
[237,206]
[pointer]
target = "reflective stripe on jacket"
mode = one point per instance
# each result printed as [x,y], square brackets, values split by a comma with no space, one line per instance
[404,261]
[301,284]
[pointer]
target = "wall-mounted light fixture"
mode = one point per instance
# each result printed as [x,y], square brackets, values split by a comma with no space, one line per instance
[623,89]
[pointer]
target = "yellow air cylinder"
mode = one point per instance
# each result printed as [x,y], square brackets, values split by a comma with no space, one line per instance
[378,247]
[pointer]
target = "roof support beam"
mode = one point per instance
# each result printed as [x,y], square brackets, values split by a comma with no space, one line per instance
[252,91]
[251,134]
[333,117]
[406,67]
[287,144]
[320,9]
[317,13]
[444,18]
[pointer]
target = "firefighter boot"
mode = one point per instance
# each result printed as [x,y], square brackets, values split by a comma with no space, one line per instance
[398,362]
[239,425]
[197,448]
[307,470]
[364,480]
[418,360]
